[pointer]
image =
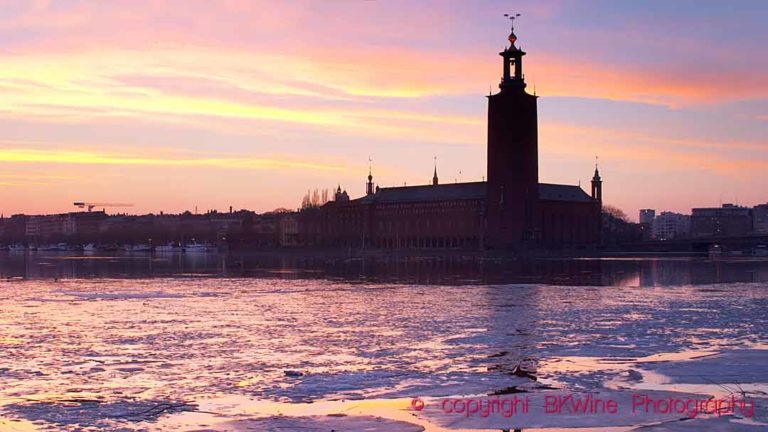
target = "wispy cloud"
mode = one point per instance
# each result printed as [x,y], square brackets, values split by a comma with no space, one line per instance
[655,153]
[74,157]
[162,84]
[233,86]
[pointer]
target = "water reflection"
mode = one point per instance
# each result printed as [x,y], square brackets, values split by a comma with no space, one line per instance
[452,269]
[303,332]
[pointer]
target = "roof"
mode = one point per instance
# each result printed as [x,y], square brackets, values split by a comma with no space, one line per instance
[558,192]
[466,191]
[440,192]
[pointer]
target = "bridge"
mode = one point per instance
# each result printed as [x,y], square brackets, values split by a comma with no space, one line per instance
[741,245]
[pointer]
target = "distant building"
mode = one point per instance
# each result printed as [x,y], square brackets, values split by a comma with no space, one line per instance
[512,209]
[760,219]
[265,230]
[340,195]
[224,223]
[726,221]
[13,229]
[45,227]
[288,229]
[646,223]
[670,226]
[84,225]
[647,216]
[64,225]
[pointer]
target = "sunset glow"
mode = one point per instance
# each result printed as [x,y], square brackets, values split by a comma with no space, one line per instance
[249,104]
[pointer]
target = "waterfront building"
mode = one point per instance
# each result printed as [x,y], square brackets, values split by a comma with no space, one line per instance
[726,221]
[512,209]
[760,219]
[671,226]
[647,216]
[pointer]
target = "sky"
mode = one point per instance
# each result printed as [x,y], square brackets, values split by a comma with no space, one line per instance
[173,105]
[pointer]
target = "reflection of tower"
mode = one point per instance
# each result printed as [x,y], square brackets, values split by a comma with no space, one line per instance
[513,177]
[369,185]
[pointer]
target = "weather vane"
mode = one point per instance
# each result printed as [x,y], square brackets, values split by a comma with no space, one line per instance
[512,19]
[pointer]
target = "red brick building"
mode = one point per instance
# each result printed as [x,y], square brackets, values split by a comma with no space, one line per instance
[509,210]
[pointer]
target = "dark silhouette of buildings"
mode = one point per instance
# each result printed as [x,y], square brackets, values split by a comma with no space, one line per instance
[509,210]
[241,228]
[760,219]
[726,221]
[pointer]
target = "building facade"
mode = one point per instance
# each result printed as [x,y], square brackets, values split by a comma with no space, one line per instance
[760,219]
[647,216]
[726,221]
[64,225]
[671,226]
[512,209]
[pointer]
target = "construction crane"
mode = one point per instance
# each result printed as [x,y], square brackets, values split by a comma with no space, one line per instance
[91,205]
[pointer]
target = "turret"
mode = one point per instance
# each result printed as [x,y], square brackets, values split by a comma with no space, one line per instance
[597,186]
[434,176]
[369,185]
[513,61]
[340,195]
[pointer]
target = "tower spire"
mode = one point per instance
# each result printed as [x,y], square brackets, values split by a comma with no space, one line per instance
[369,185]
[597,171]
[434,176]
[512,38]
[513,60]
[597,184]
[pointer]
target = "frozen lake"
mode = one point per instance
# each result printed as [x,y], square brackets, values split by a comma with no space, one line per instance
[253,343]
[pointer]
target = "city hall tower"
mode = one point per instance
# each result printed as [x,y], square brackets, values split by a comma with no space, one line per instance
[513,167]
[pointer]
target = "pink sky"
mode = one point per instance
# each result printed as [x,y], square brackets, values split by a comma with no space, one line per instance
[172,105]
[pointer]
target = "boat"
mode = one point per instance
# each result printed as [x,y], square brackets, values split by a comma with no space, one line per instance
[760,251]
[90,247]
[198,248]
[48,248]
[169,248]
[141,247]
[64,247]
[17,248]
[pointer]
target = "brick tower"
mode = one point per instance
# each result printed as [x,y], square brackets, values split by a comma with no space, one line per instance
[513,166]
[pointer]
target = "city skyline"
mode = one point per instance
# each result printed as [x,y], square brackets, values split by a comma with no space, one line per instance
[170,109]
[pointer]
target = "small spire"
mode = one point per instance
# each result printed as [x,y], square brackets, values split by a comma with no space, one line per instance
[512,38]
[434,176]
[597,184]
[369,185]
[597,171]
[370,167]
